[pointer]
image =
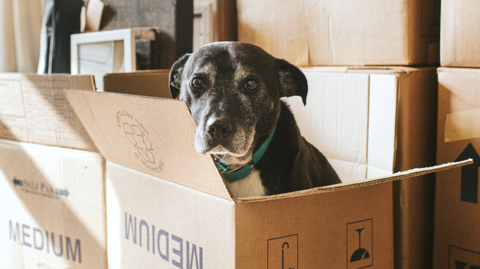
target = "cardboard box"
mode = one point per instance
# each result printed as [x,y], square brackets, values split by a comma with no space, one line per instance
[250,232]
[52,207]
[406,97]
[343,32]
[460,34]
[457,212]
[33,109]
[393,131]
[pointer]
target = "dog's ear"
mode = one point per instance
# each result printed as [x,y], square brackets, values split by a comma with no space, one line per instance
[175,80]
[292,80]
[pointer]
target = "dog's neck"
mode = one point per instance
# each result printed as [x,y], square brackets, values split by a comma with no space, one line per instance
[235,162]
[243,167]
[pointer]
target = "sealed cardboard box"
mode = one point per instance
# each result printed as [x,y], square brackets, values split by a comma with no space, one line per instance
[187,203]
[52,207]
[460,34]
[343,32]
[33,109]
[457,212]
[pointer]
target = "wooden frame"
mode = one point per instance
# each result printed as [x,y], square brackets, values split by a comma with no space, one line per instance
[111,40]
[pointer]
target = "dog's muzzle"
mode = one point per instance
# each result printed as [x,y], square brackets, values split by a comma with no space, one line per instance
[220,130]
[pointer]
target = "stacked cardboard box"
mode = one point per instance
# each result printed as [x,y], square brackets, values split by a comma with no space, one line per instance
[51,178]
[343,32]
[369,33]
[457,210]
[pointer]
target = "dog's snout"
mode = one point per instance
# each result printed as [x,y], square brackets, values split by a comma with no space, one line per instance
[220,129]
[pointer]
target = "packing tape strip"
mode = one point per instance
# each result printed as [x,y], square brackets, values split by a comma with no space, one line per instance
[299,52]
[264,41]
[462,125]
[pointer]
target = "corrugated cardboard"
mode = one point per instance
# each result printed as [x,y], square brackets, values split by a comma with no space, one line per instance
[129,132]
[33,109]
[148,83]
[52,207]
[343,32]
[460,34]
[166,225]
[457,212]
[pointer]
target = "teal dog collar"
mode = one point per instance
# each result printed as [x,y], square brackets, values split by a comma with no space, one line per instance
[247,169]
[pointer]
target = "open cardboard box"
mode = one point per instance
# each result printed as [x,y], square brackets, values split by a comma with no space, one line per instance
[168,205]
[369,122]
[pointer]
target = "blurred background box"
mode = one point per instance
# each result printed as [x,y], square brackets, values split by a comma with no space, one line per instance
[174,18]
[343,32]
[460,33]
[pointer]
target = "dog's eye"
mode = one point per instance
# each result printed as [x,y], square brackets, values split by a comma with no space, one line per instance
[198,83]
[251,85]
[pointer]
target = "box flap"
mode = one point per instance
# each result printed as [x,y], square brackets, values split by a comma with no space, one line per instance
[34,109]
[140,82]
[381,125]
[151,135]
[363,183]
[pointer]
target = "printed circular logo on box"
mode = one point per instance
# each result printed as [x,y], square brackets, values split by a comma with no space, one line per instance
[136,134]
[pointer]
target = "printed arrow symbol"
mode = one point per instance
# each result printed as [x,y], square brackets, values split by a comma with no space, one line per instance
[17,182]
[63,192]
[460,264]
[469,185]
[463,265]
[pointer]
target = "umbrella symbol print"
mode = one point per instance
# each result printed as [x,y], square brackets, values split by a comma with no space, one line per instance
[360,253]
[140,141]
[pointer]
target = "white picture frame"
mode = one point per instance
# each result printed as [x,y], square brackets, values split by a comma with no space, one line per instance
[99,53]
[203,30]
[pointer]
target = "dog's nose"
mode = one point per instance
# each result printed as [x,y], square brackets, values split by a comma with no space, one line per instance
[220,129]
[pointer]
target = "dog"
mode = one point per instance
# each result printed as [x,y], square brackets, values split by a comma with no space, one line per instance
[233,91]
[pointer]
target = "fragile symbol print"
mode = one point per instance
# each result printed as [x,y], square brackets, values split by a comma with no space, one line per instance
[360,253]
[360,244]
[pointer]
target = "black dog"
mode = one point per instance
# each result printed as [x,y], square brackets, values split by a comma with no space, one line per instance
[233,91]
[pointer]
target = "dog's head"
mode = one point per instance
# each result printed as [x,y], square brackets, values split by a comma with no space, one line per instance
[233,91]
